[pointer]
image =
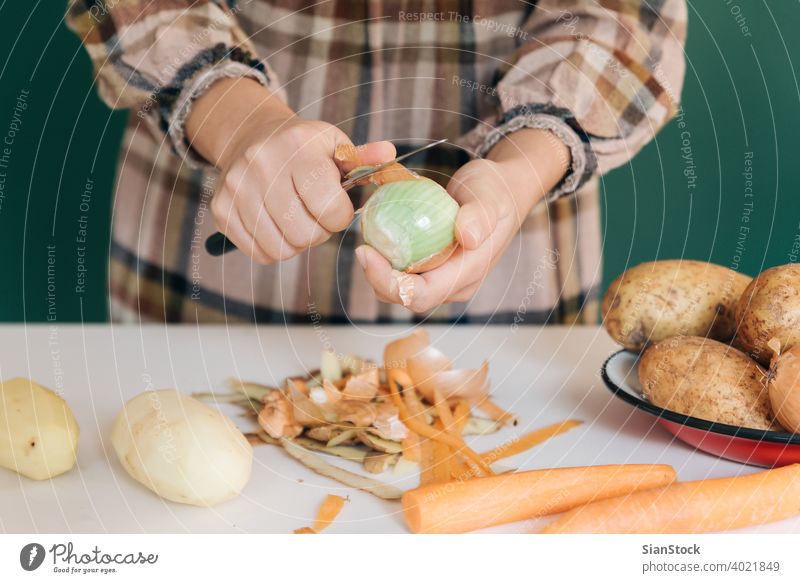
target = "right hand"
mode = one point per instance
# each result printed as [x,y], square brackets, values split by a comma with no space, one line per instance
[280,190]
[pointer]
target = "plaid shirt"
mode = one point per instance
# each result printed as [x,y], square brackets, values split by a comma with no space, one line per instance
[602,75]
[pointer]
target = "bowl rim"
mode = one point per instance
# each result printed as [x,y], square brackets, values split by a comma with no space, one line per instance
[689,421]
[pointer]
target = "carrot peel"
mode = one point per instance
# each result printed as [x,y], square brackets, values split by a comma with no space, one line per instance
[399,378]
[529,440]
[495,412]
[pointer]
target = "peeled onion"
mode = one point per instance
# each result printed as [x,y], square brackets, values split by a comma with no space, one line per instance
[411,223]
[784,388]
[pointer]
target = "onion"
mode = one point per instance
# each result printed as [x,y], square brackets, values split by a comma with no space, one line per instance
[784,387]
[411,223]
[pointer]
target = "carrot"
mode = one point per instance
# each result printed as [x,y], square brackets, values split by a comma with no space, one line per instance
[328,512]
[462,506]
[692,507]
[529,440]
[425,430]
[305,530]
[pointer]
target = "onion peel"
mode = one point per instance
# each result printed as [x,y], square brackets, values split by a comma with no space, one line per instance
[428,369]
[783,385]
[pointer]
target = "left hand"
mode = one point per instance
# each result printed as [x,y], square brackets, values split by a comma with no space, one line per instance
[495,195]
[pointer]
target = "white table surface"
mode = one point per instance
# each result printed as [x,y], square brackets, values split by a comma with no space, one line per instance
[543,374]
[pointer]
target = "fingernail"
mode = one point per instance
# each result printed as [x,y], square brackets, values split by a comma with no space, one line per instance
[361,255]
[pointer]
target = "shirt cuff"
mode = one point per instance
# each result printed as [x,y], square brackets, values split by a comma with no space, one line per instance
[556,120]
[202,73]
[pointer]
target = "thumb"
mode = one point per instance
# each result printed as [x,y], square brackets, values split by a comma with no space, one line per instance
[348,157]
[376,152]
[476,220]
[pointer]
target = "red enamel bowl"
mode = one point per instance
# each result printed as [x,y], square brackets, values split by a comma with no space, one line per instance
[755,447]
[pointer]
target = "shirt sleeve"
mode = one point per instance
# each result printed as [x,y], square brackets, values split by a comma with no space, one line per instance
[159,56]
[603,75]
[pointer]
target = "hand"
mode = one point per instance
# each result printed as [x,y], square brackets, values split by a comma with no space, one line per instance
[280,187]
[495,194]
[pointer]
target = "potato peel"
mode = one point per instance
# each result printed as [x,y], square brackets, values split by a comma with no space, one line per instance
[318,465]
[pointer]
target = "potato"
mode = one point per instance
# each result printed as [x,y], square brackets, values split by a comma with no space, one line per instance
[706,379]
[182,449]
[770,308]
[662,299]
[38,432]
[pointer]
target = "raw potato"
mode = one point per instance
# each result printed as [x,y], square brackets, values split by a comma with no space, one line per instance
[662,299]
[182,449]
[38,432]
[706,379]
[770,308]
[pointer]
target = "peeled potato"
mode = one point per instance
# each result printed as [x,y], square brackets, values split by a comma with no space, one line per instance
[661,299]
[706,379]
[770,308]
[182,449]
[38,432]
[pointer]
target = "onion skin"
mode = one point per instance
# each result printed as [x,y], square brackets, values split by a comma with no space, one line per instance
[396,353]
[429,369]
[433,261]
[411,223]
[784,389]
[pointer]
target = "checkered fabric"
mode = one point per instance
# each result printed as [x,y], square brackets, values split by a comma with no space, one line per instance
[603,75]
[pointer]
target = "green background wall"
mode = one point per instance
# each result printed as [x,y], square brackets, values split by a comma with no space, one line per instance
[686,194]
